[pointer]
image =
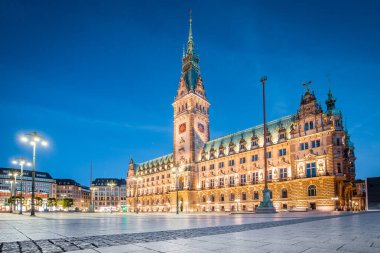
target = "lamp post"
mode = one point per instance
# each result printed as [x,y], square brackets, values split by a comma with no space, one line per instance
[112,185]
[177,170]
[14,175]
[266,206]
[10,192]
[137,179]
[21,162]
[33,139]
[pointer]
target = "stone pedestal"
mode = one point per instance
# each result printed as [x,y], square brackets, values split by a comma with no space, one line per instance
[266,206]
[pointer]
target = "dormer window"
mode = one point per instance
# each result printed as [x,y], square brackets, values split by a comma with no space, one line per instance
[212,153]
[242,145]
[221,150]
[231,148]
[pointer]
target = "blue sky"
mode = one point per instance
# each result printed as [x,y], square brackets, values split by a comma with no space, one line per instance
[97,78]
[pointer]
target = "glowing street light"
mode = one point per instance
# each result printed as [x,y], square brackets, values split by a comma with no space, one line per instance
[21,162]
[14,175]
[33,139]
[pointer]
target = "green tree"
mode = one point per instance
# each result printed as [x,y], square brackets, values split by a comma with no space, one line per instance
[38,201]
[66,203]
[51,202]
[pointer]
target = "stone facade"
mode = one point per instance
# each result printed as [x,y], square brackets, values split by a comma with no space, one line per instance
[68,188]
[311,160]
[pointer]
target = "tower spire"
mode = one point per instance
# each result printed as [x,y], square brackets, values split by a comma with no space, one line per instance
[190,42]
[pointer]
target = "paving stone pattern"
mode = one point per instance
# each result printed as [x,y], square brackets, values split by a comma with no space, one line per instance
[101,241]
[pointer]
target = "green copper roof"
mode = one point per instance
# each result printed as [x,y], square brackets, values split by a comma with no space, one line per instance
[273,127]
[162,160]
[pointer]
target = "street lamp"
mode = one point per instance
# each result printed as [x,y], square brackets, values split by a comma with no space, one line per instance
[266,206]
[21,162]
[14,175]
[177,171]
[137,179]
[112,185]
[33,139]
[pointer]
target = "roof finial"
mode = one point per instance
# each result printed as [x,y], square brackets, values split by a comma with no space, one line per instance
[190,44]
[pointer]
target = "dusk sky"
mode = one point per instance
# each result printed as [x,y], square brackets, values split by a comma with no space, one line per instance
[98,78]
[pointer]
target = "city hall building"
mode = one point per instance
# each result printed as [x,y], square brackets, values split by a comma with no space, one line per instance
[311,160]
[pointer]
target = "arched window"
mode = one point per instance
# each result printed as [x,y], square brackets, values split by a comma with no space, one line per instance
[312,190]
[284,193]
[212,198]
[203,198]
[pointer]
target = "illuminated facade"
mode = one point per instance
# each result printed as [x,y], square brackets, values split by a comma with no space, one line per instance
[311,160]
[68,188]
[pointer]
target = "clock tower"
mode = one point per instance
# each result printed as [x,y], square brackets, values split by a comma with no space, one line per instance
[191,110]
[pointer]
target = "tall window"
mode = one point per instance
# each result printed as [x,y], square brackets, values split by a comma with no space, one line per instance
[212,166]
[311,125]
[255,177]
[243,179]
[311,170]
[221,165]
[242,160]
[243,196]
[212,198]
[232,180]
[270,176]
[232,197]
[284,193]
[231,162]
[255,158]
[212,183]
[269,154]
[312,190]
[283,173]
[339,168]
[255,195]
[282,152]
[203,184]
[306,127]
[221,181]
[338,142]
[222,197]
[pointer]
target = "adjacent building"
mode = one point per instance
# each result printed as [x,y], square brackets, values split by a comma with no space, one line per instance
[109,194]
[81,195]
[44,183]
[311,159]
[372,193]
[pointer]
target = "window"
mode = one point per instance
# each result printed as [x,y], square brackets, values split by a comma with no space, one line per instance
[312,190]
[268,139]
[282,152]
[243,196]
[254,143]
[242,147]
[255,158]
[304,146]
[212,166]
[232,180]
[243,179]
[270,175]
[283,173]
[284,193]
[282,136]
[242,160]
[306,127]
[338,142]
[232,197]
[255,195]
[269,154]
[221,165]
[255,177]
[212,183]
[203,184]
[222,197]
[212,198]
[316,144]
[203,198]
[311,170]
[339,168]
[231,162]
[311,125]
[221,181]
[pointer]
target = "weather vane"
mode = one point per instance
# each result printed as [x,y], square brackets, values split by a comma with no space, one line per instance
[306,84]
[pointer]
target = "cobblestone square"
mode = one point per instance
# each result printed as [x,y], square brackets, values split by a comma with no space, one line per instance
[281,232]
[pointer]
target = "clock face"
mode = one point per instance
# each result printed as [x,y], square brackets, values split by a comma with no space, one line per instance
[201,127]
[182,128]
